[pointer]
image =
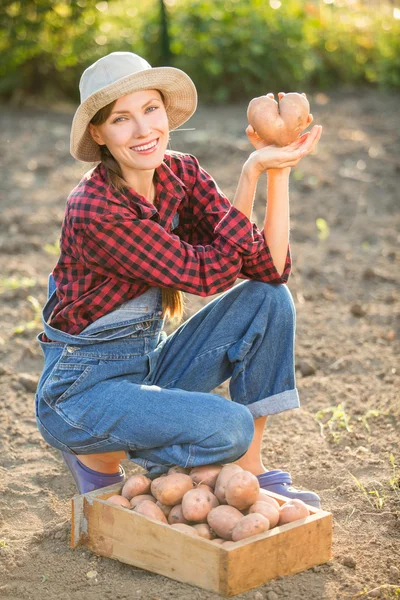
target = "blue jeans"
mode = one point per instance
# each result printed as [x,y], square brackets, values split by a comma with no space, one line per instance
[123,384]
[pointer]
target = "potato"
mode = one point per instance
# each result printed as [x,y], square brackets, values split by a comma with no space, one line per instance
[292,511]
[176,515]
[266,510]
[204,530]
[185,529]
[264,497]
[242,490]
[218,541]
[279,125]
[203,486]
[171,489]
[135,486]
[119,501]
[178,469]
[197,503]
[155,483]
[224,476]
[166,509]
[248,526]
[206,474]
[137,499]
[223,519]
[151,510]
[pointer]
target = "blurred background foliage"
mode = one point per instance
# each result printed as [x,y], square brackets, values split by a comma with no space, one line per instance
[232,49]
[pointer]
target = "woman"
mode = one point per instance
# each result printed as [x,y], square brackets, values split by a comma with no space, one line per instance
[143,226]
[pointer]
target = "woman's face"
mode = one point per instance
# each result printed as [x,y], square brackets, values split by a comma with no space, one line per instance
[136,131]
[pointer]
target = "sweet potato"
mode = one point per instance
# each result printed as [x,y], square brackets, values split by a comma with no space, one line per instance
[197,503]
[135,486]
[151,510]
[223,519]
[266,510]
[206,474]
[224,476]
[242,490]
[171,489]
[248,526]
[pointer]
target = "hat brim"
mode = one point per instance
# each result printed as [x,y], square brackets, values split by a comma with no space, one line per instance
[180,101]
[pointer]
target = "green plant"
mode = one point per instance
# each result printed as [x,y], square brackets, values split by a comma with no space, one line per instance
[233,49]
[15,283]
[377,501]
[335,420]
[34,323]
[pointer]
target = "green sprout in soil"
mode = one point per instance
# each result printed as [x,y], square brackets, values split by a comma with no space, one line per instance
[335,420]
[53,249]
[394,481]
[377,498]
[15,283]
[368,415]
[36,322]
[323,228]
[389,591]
[377,501]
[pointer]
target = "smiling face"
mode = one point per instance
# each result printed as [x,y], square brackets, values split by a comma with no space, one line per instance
[136,131]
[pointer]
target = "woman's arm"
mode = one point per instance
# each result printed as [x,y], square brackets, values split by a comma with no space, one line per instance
[277,162]
[276,223]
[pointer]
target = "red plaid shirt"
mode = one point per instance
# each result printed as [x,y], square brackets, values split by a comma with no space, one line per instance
[115,246]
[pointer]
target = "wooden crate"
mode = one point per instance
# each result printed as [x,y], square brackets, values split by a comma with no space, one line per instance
[116,532]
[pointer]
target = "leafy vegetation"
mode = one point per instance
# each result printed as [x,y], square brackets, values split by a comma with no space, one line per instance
[231,48]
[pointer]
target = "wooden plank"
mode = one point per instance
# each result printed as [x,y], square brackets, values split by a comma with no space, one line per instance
[284,550]
[78,519]
[119,533]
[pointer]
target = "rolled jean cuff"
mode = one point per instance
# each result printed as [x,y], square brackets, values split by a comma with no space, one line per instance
[275,404]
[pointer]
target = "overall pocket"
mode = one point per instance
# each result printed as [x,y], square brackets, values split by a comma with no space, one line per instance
[65,380]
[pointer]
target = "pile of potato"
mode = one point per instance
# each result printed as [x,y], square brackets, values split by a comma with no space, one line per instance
[223,504]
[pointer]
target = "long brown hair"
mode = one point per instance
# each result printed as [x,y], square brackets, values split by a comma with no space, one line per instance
[172,300]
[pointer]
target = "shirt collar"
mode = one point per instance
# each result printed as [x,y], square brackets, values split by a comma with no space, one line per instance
[168,186]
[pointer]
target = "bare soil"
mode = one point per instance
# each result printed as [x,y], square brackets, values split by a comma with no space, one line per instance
[345,284]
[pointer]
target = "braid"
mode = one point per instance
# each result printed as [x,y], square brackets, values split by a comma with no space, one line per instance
[113,169]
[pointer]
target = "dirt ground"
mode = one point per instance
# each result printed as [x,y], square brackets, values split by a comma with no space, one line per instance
[343,443]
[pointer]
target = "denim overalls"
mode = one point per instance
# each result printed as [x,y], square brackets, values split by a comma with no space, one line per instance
[123,384]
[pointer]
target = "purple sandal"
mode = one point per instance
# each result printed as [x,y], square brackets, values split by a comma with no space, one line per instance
[280,482]
[88,480]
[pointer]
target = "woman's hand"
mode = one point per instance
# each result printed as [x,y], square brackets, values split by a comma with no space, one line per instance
[273,158]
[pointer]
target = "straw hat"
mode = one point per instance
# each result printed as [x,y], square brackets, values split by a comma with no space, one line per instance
[121,73]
